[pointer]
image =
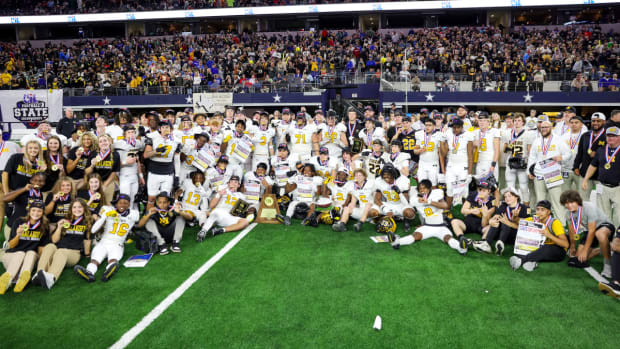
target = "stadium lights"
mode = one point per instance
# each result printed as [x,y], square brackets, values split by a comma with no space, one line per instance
[288,10]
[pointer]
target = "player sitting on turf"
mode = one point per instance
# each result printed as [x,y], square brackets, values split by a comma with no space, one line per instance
[362,192]
[194,197]
[429,203]
[221,206]
[116,221]
[612,288]
[477,210]
[338,189]
[166,223]
[504,224]
[556,244]
[392,196]
[255,185]
[29,233]
[585,223]
[305,187]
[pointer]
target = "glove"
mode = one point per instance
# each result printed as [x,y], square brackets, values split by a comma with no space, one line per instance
[175,182]
[396,189]
[160,149]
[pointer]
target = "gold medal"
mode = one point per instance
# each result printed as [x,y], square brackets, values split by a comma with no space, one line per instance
[54,168]
[589,151]
[40,163]
[607,166]
[97,158]
[116,220]
[61,193]
[97,196]
[80,149]
[66,225]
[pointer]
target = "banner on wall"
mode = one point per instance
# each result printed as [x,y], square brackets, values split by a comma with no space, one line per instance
[27,108]
[212,102]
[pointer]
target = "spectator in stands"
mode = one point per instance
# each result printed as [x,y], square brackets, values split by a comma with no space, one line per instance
[578,84]
[538,78]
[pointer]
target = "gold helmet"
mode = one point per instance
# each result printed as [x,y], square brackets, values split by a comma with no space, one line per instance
[386,225]
[330,217]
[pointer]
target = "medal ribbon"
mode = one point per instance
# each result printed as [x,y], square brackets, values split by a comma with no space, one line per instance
[455,141]
[576,224]
[35,226]
[547,223]
[90,194]
[480,201]
[42,135]
[427,138]
[369,137]
[609,159]
[592,141]
[509,211]
[77,221]
[545,148]
[104,155]
[351,130]
[358,187]
[330,131]
[55,161]
[131,141]
[394,156]
[573,142]
[35,193]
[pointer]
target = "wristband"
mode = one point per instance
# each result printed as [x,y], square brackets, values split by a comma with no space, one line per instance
[494,163]
[140,175]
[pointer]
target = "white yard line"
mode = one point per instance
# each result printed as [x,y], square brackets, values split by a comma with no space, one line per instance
[598,277]
[130,335]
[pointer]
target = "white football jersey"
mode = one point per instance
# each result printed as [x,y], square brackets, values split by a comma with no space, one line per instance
[306,187]
[457,147]
[324,169]
[229,199]
[281,167]
[124,148]
[389,195]
[484,140]
[330,137]
[364,193]
[428,214]
[367,138]
[262,141]
[116,226]
[399,160]
[373,163]
[281,129]
[239,147]
[169,144]
[195,197]
[338,193]
[301,138]
[218,179]
[431,143]
[183,136]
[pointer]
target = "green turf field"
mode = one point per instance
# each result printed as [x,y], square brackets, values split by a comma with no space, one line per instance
[297,287]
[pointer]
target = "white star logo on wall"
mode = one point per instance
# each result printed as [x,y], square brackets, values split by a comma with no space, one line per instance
[276,98]
[527,98]
[189,99]
[429,97]
[106,101]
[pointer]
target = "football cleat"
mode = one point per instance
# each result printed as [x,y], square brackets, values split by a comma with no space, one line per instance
[358,226]
[530,266]
[462,251]
[499,247]
[201,236]
[110,270]
[391,236]
[22,281]
[515,262]
[481,246]
[175,247]
[572,261]
[283,219]
[37,279]
[339,226]
[83,273]
[611,289]
[47,280]
[217,231]
[463,241]
[250,217]
[163,250]
[306,221]
[396,243]
[5,282]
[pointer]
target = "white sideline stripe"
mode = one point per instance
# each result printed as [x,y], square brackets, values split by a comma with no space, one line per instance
[595,274]
[130,335]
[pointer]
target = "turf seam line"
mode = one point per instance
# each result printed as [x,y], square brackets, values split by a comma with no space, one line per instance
[130,335]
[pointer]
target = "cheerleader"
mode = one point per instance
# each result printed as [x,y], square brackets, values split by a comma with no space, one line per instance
[130,177]
[93,195]
[70,239]
[22,198]
[107,164]
[54,162]
[58,202]
[80,158]
[28,235]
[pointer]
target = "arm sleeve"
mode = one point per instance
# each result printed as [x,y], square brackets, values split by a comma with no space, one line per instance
[99,223]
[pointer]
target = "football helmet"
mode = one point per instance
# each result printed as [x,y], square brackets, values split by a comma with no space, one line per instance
[283,202]
[301,211]
[386,225]
[330,217]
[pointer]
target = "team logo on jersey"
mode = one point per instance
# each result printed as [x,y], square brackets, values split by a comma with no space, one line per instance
[30,111]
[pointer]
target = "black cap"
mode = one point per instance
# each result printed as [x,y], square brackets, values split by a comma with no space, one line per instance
[544,203]
[368,107]
[186,118]
[323,150]
[576,117]
[223,158]
[282,146]
[570,109]
[121,197]
[483,115]
[165,123]
[286,110]
[230,107]
[37,204]
[202,134]
[301,115]
[457,122]
[377,141]
[128,128]
[234,178]
[170,111]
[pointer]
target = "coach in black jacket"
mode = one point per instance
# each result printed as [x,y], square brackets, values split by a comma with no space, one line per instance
[588,144]
[66,125]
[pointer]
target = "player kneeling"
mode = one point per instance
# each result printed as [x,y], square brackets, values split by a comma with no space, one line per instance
[118,222]
[194,198]
[430,205]
[221,206]
[166,223]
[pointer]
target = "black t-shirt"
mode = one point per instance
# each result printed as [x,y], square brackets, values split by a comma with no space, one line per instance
[19,175]
[164,220]
[583,159]
[82,164]
[353,129]
[472,198]
[51,175]
[111,163]
[22,205]
[31,239]
[74,236]
[611,175]
[61,208]
[94,206]
[524,210]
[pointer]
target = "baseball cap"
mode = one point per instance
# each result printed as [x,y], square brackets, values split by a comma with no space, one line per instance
[463,106]
[368,107]
[457,122]
[323,150]
[483,115]
[512,190]
[544,203]
[170,111]
[377,141]
[301,115]
[165,123]
[331,114]
[201,134]
[576,117]
[282,146]
[510,115]
[423,111]
[613,131]
[234,178]
[407,117]
[186,118]
[223,158]
[318,111]
[599,115]
[286,110]
[120,197]
[37,204]
[570,109]
[542,118]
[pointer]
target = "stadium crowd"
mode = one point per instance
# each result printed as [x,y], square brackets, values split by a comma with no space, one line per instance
[55,7]
[82,189]
[254,62]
